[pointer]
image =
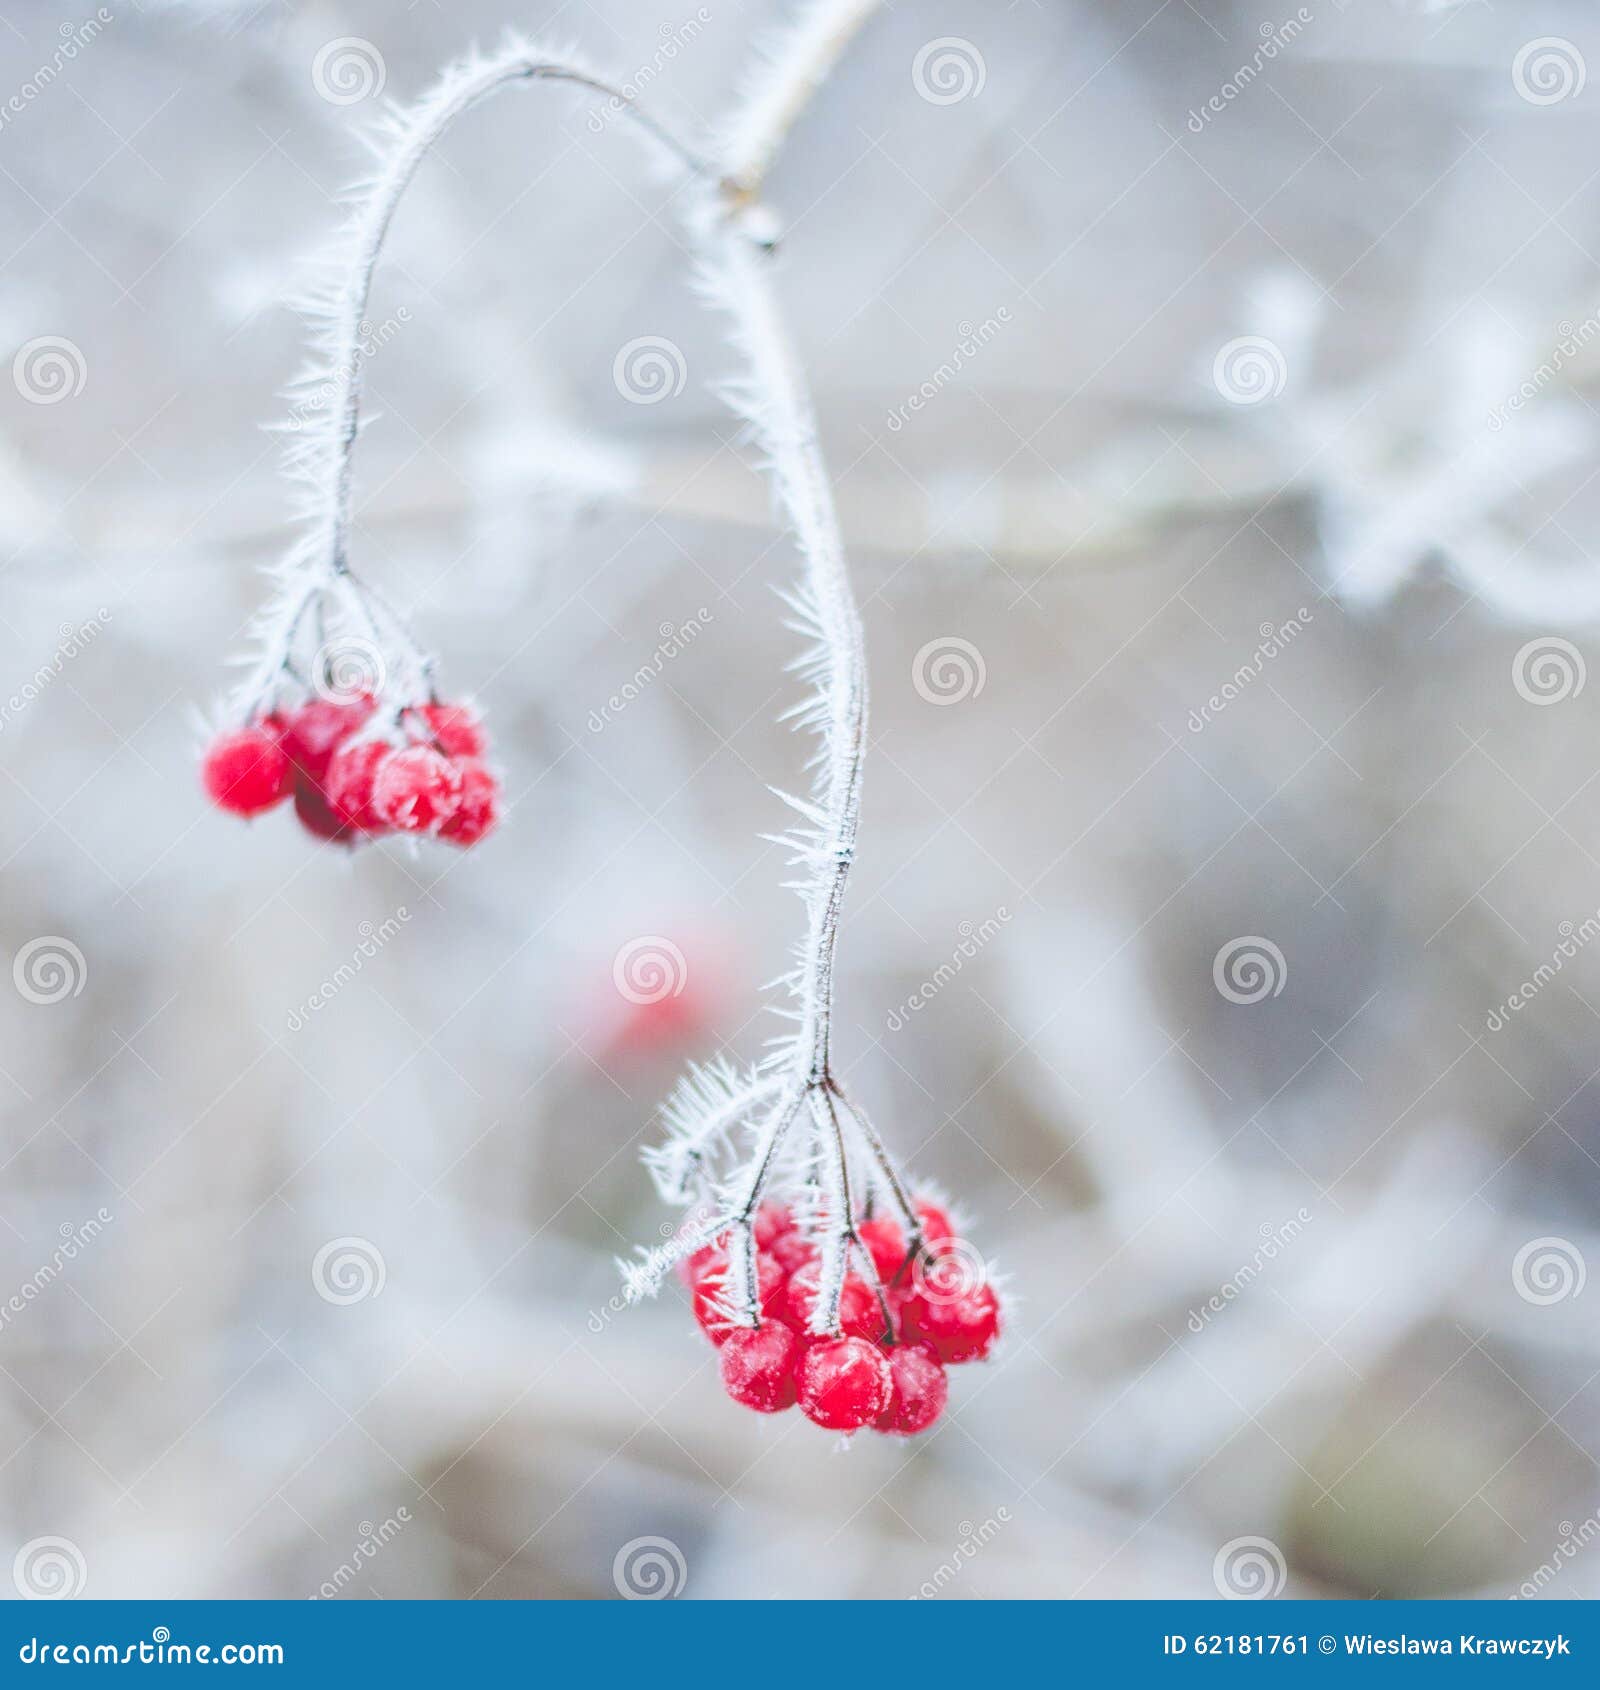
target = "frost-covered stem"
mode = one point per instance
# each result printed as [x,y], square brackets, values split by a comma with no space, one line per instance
[731,230]
[843,1230]
[780,406]
[710,1104]
[766,1153]
[834,1256]
[909,1219]
[781,87]
[742,1276]
[327,423]
[457,92]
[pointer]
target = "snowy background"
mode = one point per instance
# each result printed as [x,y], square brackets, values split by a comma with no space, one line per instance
[1229,606]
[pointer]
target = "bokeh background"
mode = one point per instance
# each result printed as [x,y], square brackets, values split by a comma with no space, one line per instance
[1211,394]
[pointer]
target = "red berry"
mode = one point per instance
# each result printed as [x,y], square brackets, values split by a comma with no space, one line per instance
[771,1221]
[885,1244]
[455,729]
[696,1262]
[793,1250]
[897,1296]
[958,1329]
[859,1314]
[477,804]
[936,1225]
[844,1383]
[711,1284]
[757,1365]
[416,789]
[245,771]
[920,1390]
[318,728]
[351,772]
[317,816]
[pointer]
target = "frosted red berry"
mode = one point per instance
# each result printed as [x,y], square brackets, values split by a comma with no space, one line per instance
[793,1250]
[416,790]
[246,771]
[710,1287]
[936,1224]
[859,1314]
[351,772]
[454,729]
[844,1383]
[921,1389]
[769,1223]
[758,1366]
[318,817]
[477,804]
[317,729]
[958,1329]
[885,1243]
[886,1366]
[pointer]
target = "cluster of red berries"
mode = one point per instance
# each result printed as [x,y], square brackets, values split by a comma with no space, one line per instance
[428,778]
[886,1374]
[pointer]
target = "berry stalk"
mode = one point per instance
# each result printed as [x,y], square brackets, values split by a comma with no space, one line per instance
[785,1175]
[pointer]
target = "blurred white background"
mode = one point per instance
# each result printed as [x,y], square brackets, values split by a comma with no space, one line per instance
[1296,1236]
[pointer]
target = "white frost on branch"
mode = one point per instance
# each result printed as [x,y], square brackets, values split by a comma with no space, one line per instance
[325,399]
[788,70]
[732,1139]
[807,1142]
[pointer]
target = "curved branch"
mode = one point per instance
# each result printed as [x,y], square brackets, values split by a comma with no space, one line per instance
[775,400]
[796,1093]
[458,91]
[789,73]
